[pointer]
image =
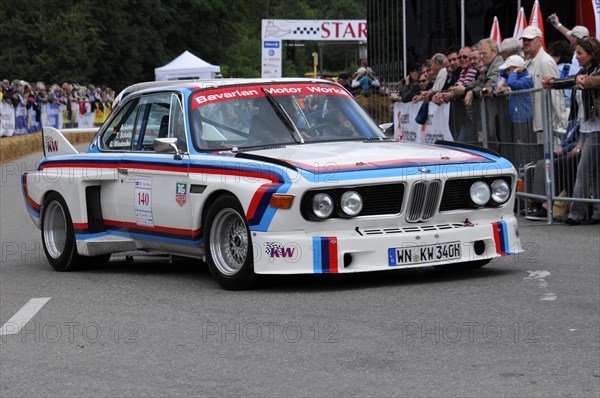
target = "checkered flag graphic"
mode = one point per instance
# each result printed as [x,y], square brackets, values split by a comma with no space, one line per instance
[306,31]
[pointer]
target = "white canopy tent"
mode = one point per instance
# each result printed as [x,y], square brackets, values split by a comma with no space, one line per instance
[187,66]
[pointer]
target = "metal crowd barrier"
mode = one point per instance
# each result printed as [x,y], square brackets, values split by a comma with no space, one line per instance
[546,178]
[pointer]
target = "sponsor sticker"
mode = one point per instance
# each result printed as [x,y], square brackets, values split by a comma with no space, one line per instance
[271,44]
[181,193]
[50,144]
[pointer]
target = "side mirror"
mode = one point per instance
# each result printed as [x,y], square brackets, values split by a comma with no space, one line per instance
[165,145]
[388,129]
[385,126]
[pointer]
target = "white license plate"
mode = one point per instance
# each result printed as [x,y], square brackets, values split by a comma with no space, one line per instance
[423,254]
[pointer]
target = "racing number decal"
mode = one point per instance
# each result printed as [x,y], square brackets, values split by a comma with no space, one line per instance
[143,201]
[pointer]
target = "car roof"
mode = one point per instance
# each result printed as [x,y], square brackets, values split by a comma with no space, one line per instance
[198,84]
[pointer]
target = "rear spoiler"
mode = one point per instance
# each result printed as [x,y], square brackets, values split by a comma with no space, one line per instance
[55,143]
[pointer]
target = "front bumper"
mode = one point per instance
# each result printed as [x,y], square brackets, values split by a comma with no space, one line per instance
[374,249]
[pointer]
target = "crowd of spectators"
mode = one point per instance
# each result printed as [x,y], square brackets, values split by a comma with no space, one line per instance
[72,97]
[509,79]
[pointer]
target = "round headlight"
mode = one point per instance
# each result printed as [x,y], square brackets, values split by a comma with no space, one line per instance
[322,205]
[500,191]
[480,193]
[351,203]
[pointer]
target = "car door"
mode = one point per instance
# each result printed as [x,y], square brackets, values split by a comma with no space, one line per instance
[116,139]
[154,194]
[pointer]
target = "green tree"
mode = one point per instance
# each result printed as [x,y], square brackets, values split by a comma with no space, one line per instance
[121,42]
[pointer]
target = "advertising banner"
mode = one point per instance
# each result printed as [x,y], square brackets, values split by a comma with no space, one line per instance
[271,59]
[21,122]
[50,116]
[7,119]
[436,128]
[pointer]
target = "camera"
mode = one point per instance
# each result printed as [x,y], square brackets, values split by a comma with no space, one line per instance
[551,19]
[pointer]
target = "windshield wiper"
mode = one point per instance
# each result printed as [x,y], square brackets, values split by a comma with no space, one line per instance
[283,115]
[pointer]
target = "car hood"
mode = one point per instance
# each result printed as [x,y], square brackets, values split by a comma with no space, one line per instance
[359,155]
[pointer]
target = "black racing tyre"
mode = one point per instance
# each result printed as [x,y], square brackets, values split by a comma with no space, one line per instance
[463,266]
[58,237]
[228,244]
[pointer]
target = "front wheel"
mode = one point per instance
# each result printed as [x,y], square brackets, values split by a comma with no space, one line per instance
[228,244]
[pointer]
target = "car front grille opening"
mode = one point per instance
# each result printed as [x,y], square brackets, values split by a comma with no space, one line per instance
[423,202]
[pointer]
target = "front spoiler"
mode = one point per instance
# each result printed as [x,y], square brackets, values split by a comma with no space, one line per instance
[369,250]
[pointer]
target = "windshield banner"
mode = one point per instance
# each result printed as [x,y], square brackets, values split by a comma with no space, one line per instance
[210,96]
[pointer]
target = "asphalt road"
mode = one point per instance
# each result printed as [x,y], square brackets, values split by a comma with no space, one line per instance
[524,326]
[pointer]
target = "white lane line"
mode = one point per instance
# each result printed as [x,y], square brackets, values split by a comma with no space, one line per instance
[24,315]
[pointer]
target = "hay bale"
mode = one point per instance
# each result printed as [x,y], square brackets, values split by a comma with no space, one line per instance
[17,146]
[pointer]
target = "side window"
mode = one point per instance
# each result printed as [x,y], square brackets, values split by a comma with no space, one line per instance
[119,133]
[143,120]
[153,122]
[177,124]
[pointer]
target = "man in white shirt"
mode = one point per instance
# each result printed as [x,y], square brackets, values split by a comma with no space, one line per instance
[539,65]
[438,68]
[438,74]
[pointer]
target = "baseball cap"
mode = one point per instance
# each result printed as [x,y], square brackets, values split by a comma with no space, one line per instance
[579,32]
[361,70]
[531,32]
[514,60]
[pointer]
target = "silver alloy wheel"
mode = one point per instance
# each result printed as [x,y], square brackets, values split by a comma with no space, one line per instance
[55,229]
[228,241]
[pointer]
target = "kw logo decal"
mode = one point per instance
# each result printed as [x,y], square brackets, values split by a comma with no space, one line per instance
[277,250]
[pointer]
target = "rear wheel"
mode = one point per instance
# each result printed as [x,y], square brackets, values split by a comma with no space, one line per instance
[58,237]
[463,266]
[228,244]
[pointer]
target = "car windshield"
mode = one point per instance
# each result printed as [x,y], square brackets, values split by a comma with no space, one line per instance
[277,114]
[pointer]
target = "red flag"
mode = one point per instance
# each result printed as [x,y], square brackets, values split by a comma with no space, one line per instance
[536,19]
[520,25]
[495,33]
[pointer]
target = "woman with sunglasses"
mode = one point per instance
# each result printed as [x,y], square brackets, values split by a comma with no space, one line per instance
[421,84]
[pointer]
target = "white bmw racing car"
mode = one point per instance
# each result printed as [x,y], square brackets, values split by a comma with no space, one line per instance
[286,176]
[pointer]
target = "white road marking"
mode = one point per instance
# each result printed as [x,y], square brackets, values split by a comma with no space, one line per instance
[24,315]
[539,277]
[548,297]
